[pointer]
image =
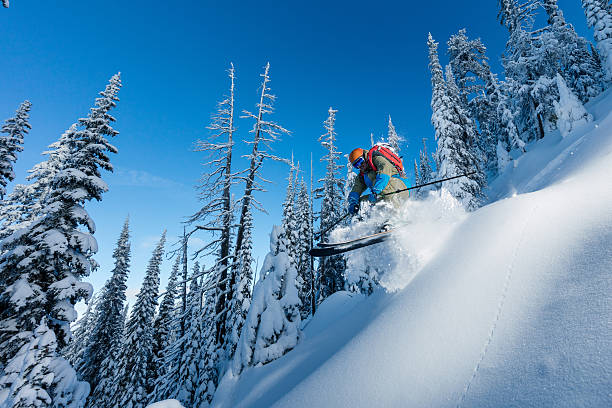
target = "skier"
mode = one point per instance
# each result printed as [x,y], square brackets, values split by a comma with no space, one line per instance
[382,172]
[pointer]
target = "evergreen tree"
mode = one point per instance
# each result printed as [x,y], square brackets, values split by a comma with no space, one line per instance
[217,213]
[185,388]
[579,68]
[165,329]
[135,371]
[289,221]
[331,269]
[11,141]
[393,139]
[101,360]
[42,266]
[304,268]
[27,201]
[599,16]
[272,327]
[81,335]
[264,132]
[455,134]
[105,338]
[241,299]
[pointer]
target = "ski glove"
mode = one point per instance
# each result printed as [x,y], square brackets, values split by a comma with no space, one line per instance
[353,203]
[373,198]
[380,183]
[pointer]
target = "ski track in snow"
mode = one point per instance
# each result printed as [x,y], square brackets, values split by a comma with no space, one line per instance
[500,307]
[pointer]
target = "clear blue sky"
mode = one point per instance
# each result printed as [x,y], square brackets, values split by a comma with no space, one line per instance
[365,59]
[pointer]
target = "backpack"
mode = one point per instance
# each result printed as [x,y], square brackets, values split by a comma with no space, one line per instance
[379,150]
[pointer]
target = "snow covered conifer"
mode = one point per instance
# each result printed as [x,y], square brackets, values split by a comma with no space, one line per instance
[185,387]
[241,299]
[393,138]
[11,141]
[272,327]
[579,68]
[164,328]
[570,111]
[41,268]
[304,267]
[599,16]
[331,269]
[265,132]
[27,201]
[217,212]
[134,373]
[101,360]
[455,134]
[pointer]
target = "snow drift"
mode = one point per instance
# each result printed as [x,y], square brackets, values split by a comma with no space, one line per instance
[510,305]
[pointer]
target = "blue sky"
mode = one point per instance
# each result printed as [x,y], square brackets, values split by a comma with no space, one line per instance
[368,60]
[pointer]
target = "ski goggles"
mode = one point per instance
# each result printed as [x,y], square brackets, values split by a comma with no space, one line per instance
[357,163]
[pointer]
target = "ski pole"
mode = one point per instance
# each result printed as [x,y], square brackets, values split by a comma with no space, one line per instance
[430,183]
[321,233]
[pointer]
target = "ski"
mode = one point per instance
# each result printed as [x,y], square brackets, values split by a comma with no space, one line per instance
[335,248]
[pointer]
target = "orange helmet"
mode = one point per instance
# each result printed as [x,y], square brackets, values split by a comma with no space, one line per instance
[355,154]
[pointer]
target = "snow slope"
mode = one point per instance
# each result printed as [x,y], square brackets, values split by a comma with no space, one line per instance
[512,308]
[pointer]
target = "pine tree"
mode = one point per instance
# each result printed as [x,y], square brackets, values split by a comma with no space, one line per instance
[599,16]
[579,68]
[44,265]
[331,269]
[241,299]
[165,327]
[393,139]
[81,335]
[272,327]
[101,360]
[135,371]
[305,235]
[289,221]
[11,141]
[27,201]
[185,388]
[455,134]
[264,132]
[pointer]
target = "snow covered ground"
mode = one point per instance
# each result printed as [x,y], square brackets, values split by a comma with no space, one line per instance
[507,306]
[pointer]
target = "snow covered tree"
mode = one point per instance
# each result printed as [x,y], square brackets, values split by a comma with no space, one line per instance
[217,213]
[241,299]
[165,328]
[188,376]
[27,201]
[11,141]
[135,371]
[530,62]
[272,327]
[331,269]
[455,134]
[41,269]
[599,17]
[81,335]
[209,369]
[265,132]
[579,68]
[393,139]
[570,111]
[289,221]
[101,359]
[305,232]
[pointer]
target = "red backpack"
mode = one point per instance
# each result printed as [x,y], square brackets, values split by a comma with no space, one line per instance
[379,150]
